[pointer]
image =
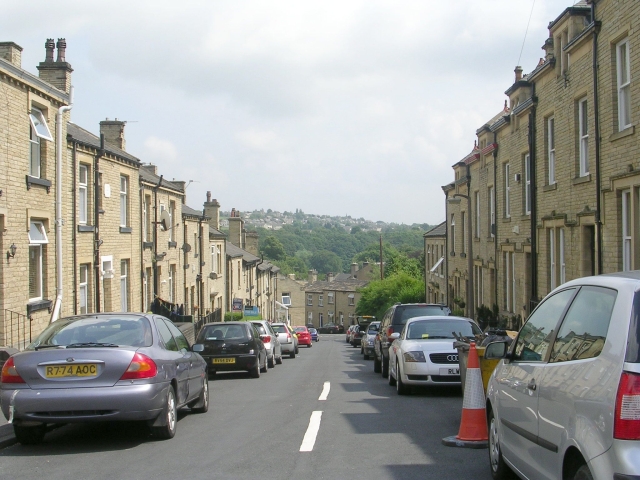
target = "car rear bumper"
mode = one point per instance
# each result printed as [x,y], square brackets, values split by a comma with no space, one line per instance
[368,349]
[287,347]
[418,373]
[241,362]
[75,405]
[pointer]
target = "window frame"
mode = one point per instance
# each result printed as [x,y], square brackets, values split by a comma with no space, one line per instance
[124,285]
[507,190]
[583,137]
[124,201]
[453,232]
[477,229]
[83,288]
[492,212]
[527,184]
[551,150]
[623,88]
[83,194]
[627,237]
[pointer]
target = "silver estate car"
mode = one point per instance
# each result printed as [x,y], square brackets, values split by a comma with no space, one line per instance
[103,367]
[270,341]
[564,401]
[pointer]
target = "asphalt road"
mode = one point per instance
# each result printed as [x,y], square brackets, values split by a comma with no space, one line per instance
[255,428]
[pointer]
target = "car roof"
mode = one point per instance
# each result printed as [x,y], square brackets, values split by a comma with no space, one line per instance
[438,317]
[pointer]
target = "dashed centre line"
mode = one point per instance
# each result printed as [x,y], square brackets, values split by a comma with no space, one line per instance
[309,439]
[325,391]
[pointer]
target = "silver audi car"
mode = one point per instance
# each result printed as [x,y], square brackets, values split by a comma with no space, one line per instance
[103,367]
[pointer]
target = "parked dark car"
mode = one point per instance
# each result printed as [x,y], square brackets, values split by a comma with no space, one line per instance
[315,336]
[393,321]
[329,328]
[232,346]
[103,367]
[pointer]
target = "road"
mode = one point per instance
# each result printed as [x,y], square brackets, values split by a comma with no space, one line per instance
[255,428]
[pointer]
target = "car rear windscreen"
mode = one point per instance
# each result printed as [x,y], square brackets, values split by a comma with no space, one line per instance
[412,311]
[223,332]
[439,329]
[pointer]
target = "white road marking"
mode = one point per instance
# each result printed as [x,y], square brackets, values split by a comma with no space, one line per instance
[325,391]
[309,439]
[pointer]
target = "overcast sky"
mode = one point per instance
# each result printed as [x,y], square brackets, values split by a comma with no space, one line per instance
[350,107]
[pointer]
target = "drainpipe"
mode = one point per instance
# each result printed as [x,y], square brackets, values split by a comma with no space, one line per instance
[96,223]
[596,114]
[495,212]
[74,159]
[534,199]
[446,250]
[59,147]
[155,239]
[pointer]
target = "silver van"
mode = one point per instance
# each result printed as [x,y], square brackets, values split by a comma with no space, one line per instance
[564,401]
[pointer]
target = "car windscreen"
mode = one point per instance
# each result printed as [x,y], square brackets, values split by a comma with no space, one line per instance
[223,332]
[412,311]
[373,328]
[300,329]
[279,328]
[261,329]
[313,330]
[96,331]
[438,329]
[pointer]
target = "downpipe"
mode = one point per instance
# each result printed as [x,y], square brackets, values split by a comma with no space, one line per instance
[55,315]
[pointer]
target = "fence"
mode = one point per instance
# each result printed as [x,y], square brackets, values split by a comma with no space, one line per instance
[16,331]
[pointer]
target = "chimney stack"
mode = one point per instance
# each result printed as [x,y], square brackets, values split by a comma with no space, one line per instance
[151,168]
[113,131]
[236,229]
[12,53]
[56,73]
[330,277]
[518,72]
[354,269]
[313,276]
[212,210]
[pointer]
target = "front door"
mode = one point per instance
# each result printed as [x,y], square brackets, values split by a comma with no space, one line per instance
[519,380]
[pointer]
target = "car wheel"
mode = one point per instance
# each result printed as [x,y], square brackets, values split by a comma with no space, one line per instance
[255,371]
[401,388]
[366,357]
[265,367]
[310,345]
[392,380]
[385,367]
[499,469]
[30,435]
[201,405]
[297,350]
[583,473]
[272,360]
[168,430]
[377,366]
[279,359]
[292,354]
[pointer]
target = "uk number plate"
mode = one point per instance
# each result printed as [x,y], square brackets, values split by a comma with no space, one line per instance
[224,360]
[449,371]
[75,370]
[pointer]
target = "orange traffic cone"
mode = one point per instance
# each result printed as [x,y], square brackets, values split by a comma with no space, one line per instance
[473,426]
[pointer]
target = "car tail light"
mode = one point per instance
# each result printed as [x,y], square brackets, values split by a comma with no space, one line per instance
[140,367]
[389,331]
[265,338]
[10,374]
[626,424]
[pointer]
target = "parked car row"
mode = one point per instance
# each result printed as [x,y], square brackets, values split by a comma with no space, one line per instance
[131,367]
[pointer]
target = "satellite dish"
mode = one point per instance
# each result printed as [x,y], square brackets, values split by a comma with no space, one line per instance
[186,248]
[165,221]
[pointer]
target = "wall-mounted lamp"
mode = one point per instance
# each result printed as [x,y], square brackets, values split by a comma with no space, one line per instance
[12,251]
[160,256]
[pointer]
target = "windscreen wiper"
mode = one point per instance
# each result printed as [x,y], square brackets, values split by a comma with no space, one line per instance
[91,345]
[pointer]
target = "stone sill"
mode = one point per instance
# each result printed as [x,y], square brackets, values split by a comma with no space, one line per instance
[38,305]
[126,229]
[548,188]
[580,180]
[42,182]
[624,133]
[86,228]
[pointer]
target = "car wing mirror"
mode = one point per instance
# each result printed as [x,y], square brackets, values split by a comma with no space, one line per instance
[394,336]
[496,350]
[198,347]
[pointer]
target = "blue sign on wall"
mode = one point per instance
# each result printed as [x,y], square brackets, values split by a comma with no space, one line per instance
[251,311]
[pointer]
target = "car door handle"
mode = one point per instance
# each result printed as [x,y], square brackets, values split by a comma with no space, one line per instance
[532,384]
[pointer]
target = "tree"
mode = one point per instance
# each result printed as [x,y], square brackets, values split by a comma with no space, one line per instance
[379,295]
[325,261]
[273,249]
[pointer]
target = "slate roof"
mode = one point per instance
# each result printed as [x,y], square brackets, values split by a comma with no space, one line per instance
[192,212]
[235,251]
[217,233]
[87,138]
[437,231]
[349,285]
[147,176]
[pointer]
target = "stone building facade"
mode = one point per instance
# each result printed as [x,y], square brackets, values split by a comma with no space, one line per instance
[435,241]
[554,182]
[332,300]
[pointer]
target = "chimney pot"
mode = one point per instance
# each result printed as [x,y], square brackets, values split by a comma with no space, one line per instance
[518,72]
[62,47]
[49,45]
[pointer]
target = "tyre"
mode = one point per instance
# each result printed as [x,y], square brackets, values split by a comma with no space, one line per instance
[499,469]
[265,367]
[255,371]
[377,365]
[366,356]
[30,435]
[279,359]
[201,405]
[392,380]
[385,367]
[292,354]
[401,388]
[583,473]
[272,360]
[297,349]
[310,345]
[170,412]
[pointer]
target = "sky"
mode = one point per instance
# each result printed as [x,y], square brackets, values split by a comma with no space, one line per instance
[350,107]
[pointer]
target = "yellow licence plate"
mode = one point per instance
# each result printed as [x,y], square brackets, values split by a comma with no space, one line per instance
[75,370]
[224,360]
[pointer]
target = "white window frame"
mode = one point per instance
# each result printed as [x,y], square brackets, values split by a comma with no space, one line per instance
[352,299]
[124,285]
[310,317]
[124,201]
[552,259]
[551,152]
[561,258]
[39,124]
[35,169]
[623,81]
[453,232]
[507,271]
[463,225]
[320,300]
[145,219]
[83,288]
[310,299]
[477,214]
[626,231]
[583,131]
[507,190]
[37,238]
[106,266]
[527,184]
[145,295]
[330,298]
[83,196]
[172,209]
